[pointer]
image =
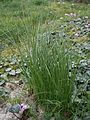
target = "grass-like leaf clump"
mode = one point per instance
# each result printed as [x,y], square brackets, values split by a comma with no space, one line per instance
[49,74]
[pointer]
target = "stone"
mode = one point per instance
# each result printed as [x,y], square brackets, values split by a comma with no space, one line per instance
[1,66]
[86,17]
[61,18]
[8,69]
[77,35]
[12,72]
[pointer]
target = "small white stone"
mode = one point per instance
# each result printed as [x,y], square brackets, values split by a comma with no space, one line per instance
[1,66]
[61,18]
[86,17]
[59,2]
[72,14]
[8,69]
[77,35]
[13,63]
[19,60]
[86,26]
[66,14]
[12,72]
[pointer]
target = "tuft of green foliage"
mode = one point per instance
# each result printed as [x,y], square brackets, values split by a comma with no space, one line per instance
[48,74]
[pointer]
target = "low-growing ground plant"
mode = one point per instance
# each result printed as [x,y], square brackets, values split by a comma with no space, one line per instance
[48,73]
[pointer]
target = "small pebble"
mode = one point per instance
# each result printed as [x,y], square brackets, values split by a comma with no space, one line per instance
[8,69]
[12,72]
[1,66]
